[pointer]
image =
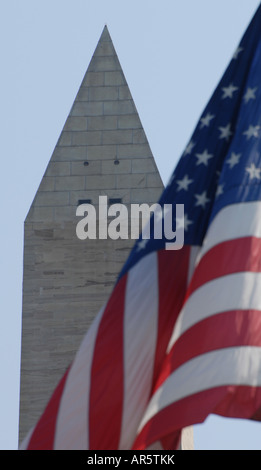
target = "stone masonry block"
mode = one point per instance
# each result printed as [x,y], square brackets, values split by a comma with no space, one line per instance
[41,214]
[59,198]
[75,196]
[85,108]
[105,49]
[100,63]
[131,181]
[114,78]
[143,165]
[58,169]
[146,195]
[134,151]
[102,123]
[93,195]
[64,213]
[69,183]
[101,182]
[47,184]
[139,136]
[83,94]
[93,168]
[117,108]
[103,152]
[93,79]
[124,93]
[76,123]
[104,93]
[62,154]
[131,121]
[154,181]
[117,193]
[86,138]
[65,139]
[109,167]
[117,137]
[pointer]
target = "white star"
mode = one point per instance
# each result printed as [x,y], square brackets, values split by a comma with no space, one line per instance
[201,199]
[219,190]
[225,132]
[252,131]
[158,215]
[205,121]
[228,91]
[184,183]
[250,94]
[161,213]
[141,245]
[183,223]
[203,157]
[254,172]
[166,210]
[237,51]
[234,159]
[189,147]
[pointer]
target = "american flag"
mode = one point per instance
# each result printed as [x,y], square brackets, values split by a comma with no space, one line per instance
[180,336]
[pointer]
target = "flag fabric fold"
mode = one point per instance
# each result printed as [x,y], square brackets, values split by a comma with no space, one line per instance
[180,335]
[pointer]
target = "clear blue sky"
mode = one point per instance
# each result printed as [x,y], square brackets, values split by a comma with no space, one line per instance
[172,52]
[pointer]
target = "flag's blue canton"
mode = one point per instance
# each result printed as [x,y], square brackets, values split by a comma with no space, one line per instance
[221,164]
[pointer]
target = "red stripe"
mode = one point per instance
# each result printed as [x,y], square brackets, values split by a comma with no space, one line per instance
[242,327]
[172,441]
[44,433]
[172,281]
[242,254]
[230,401]
[107,381]
[227,329]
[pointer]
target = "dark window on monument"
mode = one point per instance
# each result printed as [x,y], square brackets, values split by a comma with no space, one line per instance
[84,201]
[115,200]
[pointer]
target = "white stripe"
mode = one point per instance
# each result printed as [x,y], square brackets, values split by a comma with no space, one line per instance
[231,366]
[234,291]
[72,422]
[140,336]
[234,221]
